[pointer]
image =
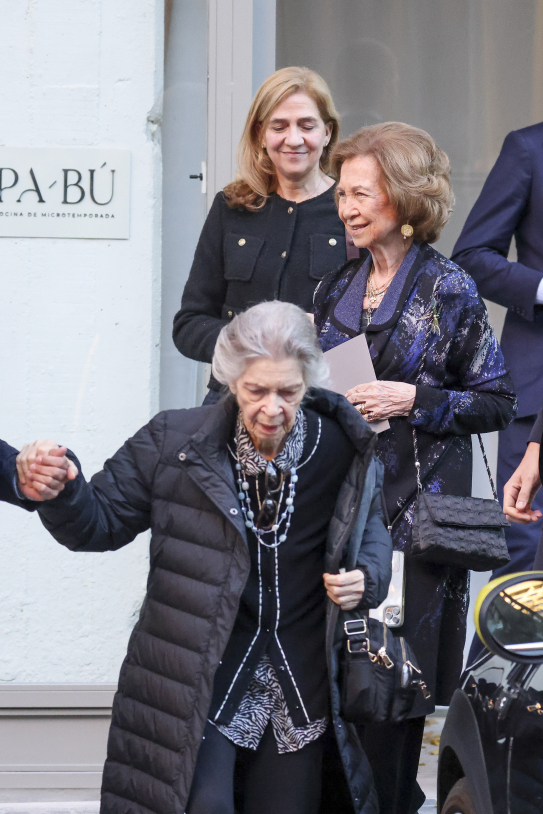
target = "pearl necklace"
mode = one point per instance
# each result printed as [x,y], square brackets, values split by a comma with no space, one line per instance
[286,516]
[249,516]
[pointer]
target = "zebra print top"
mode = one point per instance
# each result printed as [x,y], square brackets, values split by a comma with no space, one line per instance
[262,703]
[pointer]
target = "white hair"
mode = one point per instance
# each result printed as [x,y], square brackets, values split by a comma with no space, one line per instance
[275,330]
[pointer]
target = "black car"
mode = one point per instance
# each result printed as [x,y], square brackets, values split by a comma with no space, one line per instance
[491,750]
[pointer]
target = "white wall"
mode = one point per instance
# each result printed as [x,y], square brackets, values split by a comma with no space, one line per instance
[79,333]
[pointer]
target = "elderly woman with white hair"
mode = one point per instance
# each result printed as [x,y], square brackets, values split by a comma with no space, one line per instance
[259,506]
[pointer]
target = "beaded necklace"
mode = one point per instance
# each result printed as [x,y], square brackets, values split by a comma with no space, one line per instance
[286,516]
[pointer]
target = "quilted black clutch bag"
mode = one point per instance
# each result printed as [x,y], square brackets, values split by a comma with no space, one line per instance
[467,532]
[464,531]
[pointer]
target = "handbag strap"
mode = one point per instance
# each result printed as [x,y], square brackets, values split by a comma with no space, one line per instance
[488,472]
[490,478]
[434,325]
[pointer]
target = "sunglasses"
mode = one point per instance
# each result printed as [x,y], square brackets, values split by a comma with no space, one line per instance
[273,481]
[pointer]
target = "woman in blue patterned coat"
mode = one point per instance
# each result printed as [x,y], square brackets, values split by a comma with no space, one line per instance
[439,370]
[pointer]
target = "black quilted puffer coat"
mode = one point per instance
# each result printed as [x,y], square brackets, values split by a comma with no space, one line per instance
[174,477]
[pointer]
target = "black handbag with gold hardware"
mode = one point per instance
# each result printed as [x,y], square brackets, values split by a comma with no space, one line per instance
[379,677]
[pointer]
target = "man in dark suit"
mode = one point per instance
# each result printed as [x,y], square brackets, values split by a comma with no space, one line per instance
[511,203]
[48,475]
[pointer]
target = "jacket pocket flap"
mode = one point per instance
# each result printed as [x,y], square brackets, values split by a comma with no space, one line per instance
[240,255]
[464,512]
[327,253]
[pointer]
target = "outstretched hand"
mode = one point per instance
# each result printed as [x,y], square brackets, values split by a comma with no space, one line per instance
[346,589]
[521,488]
[43,470]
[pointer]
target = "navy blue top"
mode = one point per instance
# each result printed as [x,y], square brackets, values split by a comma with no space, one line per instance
[511,204]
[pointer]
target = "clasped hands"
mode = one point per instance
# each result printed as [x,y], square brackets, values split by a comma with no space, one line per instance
[43,470]
[382,399]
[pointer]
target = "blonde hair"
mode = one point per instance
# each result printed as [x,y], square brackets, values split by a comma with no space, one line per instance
[256,177]
[415,173]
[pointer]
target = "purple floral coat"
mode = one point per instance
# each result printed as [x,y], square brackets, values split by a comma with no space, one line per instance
[432,330]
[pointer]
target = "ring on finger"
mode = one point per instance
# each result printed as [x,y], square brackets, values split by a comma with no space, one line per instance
[362,408]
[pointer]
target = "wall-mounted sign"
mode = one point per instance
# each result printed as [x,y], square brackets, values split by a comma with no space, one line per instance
[64,192]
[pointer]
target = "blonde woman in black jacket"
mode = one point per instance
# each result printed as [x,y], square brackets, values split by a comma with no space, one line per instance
[274,232]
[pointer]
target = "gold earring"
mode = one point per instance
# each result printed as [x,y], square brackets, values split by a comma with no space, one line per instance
[407,230]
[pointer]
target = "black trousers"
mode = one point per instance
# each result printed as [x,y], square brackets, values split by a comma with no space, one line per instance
[393,751]
[271,783]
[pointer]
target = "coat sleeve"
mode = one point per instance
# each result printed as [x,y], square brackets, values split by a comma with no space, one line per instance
[8,475]
[375,554]
[478,395]
[197,324]
[537,430]
[115,506]
[483,245]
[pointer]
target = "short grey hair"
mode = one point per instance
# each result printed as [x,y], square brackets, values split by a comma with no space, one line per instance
[275,330]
